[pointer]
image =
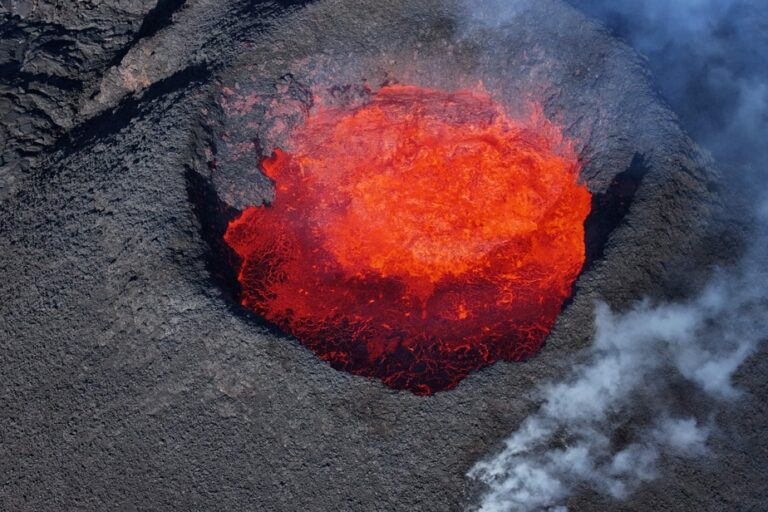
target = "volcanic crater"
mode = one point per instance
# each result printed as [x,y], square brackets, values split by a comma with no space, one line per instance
[122,284]
[412,235]
[652,199]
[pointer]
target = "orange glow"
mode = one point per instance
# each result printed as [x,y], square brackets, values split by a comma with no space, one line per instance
[418,237]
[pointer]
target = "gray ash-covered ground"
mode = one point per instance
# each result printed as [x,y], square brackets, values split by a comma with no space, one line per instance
[131,380]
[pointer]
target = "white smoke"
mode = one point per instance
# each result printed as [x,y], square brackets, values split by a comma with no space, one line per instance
[489,14]
[710,64]
[592,429]
[567,443]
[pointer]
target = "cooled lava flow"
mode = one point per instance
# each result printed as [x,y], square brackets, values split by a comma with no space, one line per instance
[418,237]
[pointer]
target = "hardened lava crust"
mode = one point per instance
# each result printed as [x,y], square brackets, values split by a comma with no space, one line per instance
[133,379]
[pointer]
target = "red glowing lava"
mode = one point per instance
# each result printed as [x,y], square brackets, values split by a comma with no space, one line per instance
[418,237]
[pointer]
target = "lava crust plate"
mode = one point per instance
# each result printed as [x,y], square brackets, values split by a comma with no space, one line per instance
[170,395]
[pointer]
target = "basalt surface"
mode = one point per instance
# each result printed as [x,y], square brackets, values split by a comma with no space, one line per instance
[132,379]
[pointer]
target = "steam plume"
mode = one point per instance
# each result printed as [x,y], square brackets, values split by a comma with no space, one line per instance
[570,442]
[567,443]
[709,61]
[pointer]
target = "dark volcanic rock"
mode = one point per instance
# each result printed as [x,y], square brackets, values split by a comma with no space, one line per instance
[47,56]
[131,381]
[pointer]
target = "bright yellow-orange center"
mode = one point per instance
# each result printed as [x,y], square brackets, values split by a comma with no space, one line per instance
[423,225]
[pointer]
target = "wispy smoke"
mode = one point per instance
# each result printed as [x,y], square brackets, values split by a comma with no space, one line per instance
[568,442]
[592,428]
[709,61]
[489,14]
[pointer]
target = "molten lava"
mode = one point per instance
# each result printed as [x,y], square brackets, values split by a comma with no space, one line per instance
[418,237]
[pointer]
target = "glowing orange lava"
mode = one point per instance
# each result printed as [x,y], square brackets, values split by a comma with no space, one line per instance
[418,237]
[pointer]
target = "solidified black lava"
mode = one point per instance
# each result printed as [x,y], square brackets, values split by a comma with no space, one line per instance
[609,209]
[214,216]
[129,384]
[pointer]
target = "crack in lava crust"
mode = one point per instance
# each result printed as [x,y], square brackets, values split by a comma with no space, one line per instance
[418,237]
